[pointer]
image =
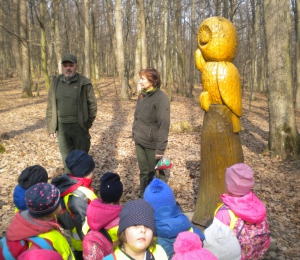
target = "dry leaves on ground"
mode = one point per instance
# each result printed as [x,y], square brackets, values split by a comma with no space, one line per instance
[24,136]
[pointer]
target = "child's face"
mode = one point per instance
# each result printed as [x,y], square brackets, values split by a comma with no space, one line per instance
[90,176]
[138,239]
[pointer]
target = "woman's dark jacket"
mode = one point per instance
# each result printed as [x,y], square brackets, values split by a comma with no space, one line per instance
[152,121]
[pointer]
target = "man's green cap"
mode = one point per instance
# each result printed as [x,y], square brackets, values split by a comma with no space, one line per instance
[70,58]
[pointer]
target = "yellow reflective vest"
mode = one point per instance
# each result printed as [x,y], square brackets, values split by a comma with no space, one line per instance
[83,193]
[159,253]
[59,243]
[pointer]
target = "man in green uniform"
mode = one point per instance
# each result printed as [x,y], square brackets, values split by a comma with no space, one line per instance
[71,109]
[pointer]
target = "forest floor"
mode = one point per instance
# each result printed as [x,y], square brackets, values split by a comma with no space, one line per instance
[24,136]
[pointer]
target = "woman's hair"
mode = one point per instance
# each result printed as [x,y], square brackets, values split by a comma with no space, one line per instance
[122,240]
[152,75]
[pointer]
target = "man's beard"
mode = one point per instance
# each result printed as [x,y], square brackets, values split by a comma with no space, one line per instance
[69,76]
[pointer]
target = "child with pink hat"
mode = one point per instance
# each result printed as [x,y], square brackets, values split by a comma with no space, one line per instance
[244,212]
[188,246]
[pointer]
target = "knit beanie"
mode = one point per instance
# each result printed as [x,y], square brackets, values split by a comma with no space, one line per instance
[136,212]
[19,197]
[239,179]
[37,254]
[188,246]
[32,175]
[221,241]
[159,194]
[80,163]
[42,199]
[111,188]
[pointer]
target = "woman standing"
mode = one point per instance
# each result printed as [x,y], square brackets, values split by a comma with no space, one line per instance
[151,124]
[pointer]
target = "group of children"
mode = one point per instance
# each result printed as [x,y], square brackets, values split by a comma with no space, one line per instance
[150,228]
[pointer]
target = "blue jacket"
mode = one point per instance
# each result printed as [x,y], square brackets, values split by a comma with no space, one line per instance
[170,221]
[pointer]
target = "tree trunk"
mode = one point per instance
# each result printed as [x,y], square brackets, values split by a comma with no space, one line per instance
[233,7]
[283,135]
[220,148]
[217,7]
[179,62]
[225,9]
[26,86]
[254,49]
[57,41]
[112,37]
[262,66]
[16,43]
[138,55]
[120,50]
[143,38]
[297,21]
[165,42]
[193,48]
[2,67]
[67,40]
[44,44]
[30,37]
[92,45]
[87,64]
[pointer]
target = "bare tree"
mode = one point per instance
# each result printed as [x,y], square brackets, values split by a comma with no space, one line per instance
[283,137]
[26,86]
[233,7]
[217,7]
[225,12]
[193,36]
[44,43]
[112,36]
[120,50]
[297,29]
[57,41]
[138,55]
[254,48]
[143,40]
[87,67]
[165,17]
[2,66]
[16,43]
[179,53]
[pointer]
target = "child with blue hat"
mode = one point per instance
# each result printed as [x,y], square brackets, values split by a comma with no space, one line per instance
[28,177]
[169,219]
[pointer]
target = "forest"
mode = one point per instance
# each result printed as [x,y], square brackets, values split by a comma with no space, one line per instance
[117,39]
[113,40]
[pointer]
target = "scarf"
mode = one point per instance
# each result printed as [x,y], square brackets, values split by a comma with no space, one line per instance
[80,182]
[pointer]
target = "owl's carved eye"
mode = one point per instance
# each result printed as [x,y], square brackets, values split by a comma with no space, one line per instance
[204,35]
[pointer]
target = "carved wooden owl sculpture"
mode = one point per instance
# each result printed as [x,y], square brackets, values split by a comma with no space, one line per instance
[218,42]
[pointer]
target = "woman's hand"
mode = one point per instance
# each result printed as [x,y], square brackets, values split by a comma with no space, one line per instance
[158,156]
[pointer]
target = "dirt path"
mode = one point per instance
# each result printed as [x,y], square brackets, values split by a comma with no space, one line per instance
[26,142]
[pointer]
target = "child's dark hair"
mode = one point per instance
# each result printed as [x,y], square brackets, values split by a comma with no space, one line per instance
[152,75]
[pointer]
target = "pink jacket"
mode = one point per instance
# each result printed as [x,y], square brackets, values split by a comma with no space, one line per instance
[101,215]
[248,207]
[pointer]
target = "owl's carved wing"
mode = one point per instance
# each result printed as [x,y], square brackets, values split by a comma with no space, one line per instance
[199,60]
[230,87]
